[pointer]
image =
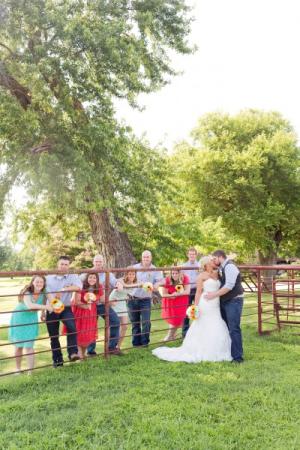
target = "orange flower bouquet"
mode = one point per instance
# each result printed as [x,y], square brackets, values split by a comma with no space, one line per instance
[148,287]
[90,297]
[179,288]
[57,305]
[192,312]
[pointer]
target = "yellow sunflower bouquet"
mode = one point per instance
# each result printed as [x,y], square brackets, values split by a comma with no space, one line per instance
[192,312]
[57,305]
[179,288]
[148,287]
[90,297]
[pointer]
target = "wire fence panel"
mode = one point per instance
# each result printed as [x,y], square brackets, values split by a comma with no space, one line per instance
[271,302]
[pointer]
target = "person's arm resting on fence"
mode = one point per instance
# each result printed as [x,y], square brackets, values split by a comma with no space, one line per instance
[32,305]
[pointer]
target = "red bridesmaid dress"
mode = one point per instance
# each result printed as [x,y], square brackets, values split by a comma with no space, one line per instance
[173,309]
[86,320]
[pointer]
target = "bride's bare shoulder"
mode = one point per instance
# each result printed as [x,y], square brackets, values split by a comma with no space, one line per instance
[203,276]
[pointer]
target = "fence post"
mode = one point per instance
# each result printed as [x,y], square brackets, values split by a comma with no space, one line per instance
[259,304]
[106,305]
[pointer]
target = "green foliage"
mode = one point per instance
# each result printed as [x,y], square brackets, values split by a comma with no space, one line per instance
[245,169]
[61,66]
[11,259]
[181,223]
[49,234]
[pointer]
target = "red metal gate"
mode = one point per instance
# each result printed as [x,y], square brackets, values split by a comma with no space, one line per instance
[271,302]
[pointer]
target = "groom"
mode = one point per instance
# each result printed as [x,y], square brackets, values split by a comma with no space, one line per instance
[231,300]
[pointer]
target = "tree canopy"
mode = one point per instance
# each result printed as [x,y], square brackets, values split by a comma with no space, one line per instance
[62,63]
[245,170]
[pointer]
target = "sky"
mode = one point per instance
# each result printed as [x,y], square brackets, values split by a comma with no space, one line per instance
[247,57]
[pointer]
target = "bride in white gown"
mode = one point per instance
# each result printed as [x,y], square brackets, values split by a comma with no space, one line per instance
[208,337]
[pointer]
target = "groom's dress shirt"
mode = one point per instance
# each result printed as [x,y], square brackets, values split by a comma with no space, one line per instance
[231,279]
[231,273]
[192,274]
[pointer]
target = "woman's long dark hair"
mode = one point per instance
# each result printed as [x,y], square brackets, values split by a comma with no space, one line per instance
[30,288]
[180,278]
[87,287]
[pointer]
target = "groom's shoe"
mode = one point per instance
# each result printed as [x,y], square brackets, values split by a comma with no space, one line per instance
[237,361]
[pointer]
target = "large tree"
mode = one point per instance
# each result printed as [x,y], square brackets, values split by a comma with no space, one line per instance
[61,65]
[246,170]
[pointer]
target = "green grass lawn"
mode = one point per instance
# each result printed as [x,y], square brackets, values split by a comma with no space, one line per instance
[140,402]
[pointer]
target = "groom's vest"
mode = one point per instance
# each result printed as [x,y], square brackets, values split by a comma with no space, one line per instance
[237,289]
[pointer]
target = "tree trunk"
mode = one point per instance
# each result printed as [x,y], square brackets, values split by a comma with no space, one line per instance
[268,260]
[111,243]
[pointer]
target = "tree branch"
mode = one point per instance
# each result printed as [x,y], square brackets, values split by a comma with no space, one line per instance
[21,93]
[8,49]
[46,146]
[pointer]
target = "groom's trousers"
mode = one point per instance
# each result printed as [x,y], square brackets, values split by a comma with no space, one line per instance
[231,311]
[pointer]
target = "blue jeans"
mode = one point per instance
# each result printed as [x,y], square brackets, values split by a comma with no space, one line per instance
[52,321]
[114,328]
[139,314]
[231,311]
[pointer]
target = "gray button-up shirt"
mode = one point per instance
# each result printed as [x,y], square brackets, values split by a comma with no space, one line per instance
[146,277]
[55,283]
[192,274]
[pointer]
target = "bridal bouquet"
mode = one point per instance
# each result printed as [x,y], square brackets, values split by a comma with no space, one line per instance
[192,312]
[57,305]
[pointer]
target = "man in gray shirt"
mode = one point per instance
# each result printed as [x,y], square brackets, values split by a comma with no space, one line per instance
[62,286]
[139,307]
[193,275]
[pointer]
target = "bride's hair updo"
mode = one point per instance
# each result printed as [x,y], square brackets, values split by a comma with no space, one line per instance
[204,261]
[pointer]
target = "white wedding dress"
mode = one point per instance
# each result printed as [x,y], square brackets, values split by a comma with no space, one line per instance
[207,338]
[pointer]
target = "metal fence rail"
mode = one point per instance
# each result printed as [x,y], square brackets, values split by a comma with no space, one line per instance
[270,303]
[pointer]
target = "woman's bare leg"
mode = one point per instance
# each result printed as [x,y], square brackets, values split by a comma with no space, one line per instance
[123,329]
[30,358]
[18,356]
[82,352]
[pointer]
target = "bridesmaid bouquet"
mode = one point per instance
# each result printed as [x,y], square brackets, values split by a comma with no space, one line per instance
[179,288]
[57,305]
[148,287]
[192,312]
[89,297]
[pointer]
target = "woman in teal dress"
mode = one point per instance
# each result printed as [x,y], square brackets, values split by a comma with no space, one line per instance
[24,326]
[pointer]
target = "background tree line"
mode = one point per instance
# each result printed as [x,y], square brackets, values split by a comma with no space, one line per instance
[236,186]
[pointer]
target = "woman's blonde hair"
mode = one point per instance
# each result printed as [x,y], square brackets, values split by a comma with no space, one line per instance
[205,260]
